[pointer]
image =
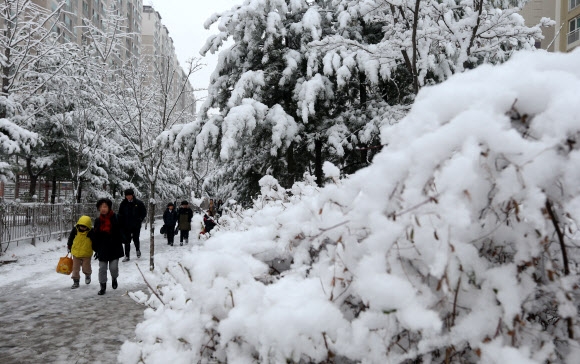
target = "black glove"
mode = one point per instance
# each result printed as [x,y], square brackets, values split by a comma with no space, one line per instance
[96,255]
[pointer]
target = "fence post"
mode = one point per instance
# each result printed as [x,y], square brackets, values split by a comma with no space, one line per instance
[2,221]
[34,222]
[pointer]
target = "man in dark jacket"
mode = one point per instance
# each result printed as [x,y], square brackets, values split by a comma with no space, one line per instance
[169,221]
[132,212]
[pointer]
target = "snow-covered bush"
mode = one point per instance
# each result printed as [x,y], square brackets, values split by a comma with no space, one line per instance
[453,246]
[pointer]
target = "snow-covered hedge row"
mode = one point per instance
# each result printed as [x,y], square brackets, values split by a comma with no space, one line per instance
[444,249]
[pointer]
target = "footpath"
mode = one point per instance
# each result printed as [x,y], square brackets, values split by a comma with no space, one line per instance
[43,320]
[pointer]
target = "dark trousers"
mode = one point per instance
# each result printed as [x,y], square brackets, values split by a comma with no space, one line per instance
[133,234]
[170,233]
[184,234]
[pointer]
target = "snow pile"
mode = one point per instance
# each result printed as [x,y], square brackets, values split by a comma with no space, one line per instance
[443,249]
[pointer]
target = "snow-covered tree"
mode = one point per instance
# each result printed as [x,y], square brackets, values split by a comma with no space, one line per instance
[458,244]
[143,102]
[32,55]
[309,81]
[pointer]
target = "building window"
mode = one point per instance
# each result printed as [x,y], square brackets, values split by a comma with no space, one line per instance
[573,3]
[574,30]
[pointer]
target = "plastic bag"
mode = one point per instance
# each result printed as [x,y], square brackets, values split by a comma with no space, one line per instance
[163,229]
[65,265]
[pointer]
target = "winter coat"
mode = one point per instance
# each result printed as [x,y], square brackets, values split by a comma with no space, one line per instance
[109,246]
[184,218]
[132,213]
[212,209]
[80,242]
[170,218]
[209,223]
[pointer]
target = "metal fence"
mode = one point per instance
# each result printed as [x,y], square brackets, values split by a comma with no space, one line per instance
[33,222]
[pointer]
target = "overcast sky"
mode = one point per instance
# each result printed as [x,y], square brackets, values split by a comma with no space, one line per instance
[184,19]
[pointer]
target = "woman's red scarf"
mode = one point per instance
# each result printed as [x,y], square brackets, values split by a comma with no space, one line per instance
[105,221]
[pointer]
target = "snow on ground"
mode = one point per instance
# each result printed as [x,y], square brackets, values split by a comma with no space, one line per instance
[44,320]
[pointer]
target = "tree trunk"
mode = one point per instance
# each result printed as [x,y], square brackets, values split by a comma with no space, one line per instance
[151,209]
[6,70]
[53,192]
[17,185]
[362,77]
[79,192]
[32,187]
[33,176]
[291,163]
[415,46]
[318,161]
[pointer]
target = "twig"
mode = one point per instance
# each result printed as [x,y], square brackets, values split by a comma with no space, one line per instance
[148,285]
[454,314]
[323,230]
[554,219]
[430,199]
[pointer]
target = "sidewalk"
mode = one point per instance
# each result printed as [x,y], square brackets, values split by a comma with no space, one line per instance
[45,321]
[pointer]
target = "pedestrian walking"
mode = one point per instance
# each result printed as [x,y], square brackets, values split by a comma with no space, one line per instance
[108,243]
[208,222]
[169,220]
[80,245]
[185,214]
[219,207]
[132,212]
[212,208]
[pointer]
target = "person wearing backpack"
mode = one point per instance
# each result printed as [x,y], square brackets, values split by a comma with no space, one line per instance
[80,245]
[185,214]
[108,243]
[169,220]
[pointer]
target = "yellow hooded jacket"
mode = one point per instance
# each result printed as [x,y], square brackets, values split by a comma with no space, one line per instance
[82,245]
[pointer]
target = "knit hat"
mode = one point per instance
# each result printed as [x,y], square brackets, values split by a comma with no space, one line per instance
[129,191]
[170,204]
[184,202]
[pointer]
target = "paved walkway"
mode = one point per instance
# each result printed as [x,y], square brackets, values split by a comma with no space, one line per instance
[43,321]
[39,325]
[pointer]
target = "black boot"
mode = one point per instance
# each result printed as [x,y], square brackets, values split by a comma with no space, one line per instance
[75,284]
[114,283]
[103,289]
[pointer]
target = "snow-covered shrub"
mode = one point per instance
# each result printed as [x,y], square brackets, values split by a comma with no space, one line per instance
[453,246]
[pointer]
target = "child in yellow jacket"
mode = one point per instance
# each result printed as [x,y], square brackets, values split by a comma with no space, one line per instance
[81,247]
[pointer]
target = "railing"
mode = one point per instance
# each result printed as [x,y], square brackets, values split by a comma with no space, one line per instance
[38,222]
[574,36]
[33,222]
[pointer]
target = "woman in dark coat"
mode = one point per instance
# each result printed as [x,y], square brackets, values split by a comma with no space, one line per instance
[169,220]
[107,243]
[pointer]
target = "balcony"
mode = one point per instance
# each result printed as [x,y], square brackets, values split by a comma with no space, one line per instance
[573,36]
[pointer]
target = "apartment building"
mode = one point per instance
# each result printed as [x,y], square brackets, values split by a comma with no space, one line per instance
[565,36]
[158,52]
[569,17]
[97,11]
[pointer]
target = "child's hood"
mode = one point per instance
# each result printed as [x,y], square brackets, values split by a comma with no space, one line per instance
[85,221]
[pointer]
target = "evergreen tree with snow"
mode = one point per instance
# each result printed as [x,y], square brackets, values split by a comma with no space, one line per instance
[309,81]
